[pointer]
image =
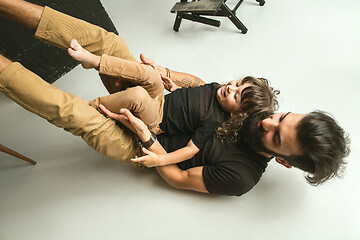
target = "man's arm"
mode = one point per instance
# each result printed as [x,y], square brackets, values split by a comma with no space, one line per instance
[180,79]
[190,179]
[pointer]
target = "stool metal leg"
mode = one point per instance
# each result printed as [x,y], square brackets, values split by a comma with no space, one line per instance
[199,19]
[177,22]
[261,2]
[225,10]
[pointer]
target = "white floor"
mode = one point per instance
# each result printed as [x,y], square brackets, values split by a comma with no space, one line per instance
[308,49]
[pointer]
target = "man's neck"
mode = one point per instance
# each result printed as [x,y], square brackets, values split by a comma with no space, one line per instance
[265,154]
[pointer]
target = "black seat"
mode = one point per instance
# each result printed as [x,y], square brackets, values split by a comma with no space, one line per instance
[193,11]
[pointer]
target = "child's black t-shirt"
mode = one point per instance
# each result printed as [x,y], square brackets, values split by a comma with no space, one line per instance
[193,111]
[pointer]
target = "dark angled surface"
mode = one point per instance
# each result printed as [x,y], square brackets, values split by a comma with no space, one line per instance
[18,44]
[198,6]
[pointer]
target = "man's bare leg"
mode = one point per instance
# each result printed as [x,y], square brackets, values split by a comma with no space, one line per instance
[4,62]
[21,12]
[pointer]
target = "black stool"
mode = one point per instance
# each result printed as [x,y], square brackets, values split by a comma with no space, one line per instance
[193,11]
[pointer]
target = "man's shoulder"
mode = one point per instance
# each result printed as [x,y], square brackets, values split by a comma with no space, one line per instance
[233,168]
[229,151]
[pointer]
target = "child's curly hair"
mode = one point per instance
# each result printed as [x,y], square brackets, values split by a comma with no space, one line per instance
[257,98]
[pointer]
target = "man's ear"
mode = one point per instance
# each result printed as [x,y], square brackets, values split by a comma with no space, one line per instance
[283,162]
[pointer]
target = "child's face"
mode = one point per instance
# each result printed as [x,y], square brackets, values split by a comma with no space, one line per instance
[229,96]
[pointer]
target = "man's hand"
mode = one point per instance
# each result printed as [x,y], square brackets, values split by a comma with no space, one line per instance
[148,61]
[135,124]
[169,84]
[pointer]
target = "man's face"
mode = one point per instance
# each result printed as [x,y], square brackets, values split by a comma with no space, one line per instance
[274,134]
[279,133]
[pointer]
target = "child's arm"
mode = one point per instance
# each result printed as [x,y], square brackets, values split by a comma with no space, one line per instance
[182,154]
[191,179]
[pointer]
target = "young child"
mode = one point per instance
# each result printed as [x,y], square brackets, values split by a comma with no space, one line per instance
[197,111]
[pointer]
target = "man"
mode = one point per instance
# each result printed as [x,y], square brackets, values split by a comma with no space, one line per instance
[312,142]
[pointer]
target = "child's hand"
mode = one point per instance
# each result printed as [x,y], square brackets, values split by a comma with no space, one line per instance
[130,121]
[149,160]
[169,84]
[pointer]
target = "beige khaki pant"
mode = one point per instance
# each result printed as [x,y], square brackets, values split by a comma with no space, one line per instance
[66,110]
[146,100]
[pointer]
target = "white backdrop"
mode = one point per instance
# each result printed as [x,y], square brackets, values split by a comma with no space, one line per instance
[307,49]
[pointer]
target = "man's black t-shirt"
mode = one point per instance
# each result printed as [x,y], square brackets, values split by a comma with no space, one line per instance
[193,111]
[228,168]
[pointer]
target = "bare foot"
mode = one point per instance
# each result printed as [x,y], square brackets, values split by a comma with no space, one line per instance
[87,59]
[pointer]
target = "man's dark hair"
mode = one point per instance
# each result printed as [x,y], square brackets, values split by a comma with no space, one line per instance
[325,145]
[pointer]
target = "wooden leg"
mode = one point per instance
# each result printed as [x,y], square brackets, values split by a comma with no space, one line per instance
[15,154]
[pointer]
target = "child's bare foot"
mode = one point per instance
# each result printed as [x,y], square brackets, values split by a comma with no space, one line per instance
[87,59]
